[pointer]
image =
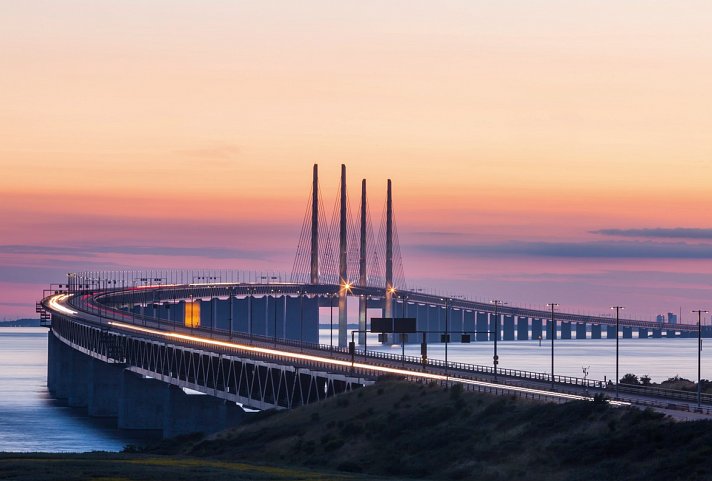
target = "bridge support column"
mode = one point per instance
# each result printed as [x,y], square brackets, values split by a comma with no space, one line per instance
[141,402]
[194,413]
[537,329]
[508,330]
[549,332]
[670,333]
[53,374]
[610,332]
[78,377]
[482,326]
[595,331]
[627,332]
[580,330]
[642,333]
[104,389]
[522,328]
[491,323]
[565,330]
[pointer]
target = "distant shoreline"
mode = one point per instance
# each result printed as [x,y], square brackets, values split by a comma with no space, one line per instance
[21,323]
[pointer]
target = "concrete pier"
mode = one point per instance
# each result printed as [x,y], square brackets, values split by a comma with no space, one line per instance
[508,328]
[565,330]
[595,331]
[580,330]
[627,332]
[549,332]
[482,326]
[537,331]
[522,328]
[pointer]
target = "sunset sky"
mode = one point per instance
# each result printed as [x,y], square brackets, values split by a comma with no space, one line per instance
[540,151]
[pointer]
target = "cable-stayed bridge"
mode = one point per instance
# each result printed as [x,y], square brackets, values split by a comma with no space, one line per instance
[124,339]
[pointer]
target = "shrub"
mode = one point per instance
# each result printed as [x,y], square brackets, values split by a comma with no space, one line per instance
[630,379]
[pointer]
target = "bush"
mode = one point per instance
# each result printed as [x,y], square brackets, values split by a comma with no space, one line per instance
[630,379]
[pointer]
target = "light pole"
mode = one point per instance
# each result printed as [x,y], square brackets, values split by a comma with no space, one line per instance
[553,305]
[618,310]
[495,357]
[699,355]
[274,309]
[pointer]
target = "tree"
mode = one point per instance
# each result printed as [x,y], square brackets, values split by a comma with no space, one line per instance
[645,380]
[630,379]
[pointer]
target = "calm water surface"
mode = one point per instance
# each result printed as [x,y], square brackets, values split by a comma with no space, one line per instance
[31,421]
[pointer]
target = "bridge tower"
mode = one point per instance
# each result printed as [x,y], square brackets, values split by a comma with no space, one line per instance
[362,267]
[343,259]
[388,303]
[314,278]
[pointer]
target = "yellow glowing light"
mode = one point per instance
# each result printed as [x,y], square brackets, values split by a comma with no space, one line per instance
[192,314]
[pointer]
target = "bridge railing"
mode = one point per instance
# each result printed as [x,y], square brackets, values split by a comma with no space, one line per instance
[414,361]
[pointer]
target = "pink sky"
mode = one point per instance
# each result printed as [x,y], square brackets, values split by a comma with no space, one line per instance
[529,142]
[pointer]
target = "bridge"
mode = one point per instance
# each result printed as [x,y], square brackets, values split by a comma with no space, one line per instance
[180,351]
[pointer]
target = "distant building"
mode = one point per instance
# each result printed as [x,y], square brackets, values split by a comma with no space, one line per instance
[660,318]
[672,318]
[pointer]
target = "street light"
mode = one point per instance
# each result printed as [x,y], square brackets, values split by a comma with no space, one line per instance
[495,357]
[618,310]
[447,333]
[699,355]
[553,335]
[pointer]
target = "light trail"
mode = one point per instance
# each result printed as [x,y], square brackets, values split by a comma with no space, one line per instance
[367,367]
[54,303]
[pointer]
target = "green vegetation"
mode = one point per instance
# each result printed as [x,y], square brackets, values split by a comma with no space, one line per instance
[400,430]
[676,383]
[407,430]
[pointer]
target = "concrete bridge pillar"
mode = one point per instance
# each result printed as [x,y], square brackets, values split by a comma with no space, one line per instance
[482,326]
[610,332]
[642,333]
[670,333]
[537,331]
[104,388]
[522,328]
[657,333]
[549,333]
[78,378]
[141,402]
[627,332]
[52,363]
[492,326]
[580,330]
[595,331]
[565,330]
[470,324]
[508,330]
[197,413]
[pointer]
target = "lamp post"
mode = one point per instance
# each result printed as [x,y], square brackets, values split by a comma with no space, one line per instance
[274,309]
[495,357]
[699,355]
[553,305]
[618,310]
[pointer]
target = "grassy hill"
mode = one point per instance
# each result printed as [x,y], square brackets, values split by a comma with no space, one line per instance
[410,430]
